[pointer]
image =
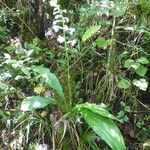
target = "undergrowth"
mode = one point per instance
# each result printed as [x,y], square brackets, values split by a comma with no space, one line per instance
[75,75]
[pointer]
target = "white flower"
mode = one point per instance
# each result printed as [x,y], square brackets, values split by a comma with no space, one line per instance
[55,12]
[47,15]
[57,16]
[49,32]
[60,39]
[66,28]
[72,42]
[56,28]
[65,11]
[7,56]
[42,147]
[5,75]
[66,19]
[55,9]
[56,21]
[72,30]
[17,63]
[53,3]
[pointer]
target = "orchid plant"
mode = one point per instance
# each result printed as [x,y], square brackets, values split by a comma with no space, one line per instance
[65,38]
[60,24]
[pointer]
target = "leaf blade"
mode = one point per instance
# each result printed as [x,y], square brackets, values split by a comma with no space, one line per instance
[98,109]
[143,60]
[89,32]
[50,79]
[100,120]
[141,71]
[123,84]
[105,128]
[36,102]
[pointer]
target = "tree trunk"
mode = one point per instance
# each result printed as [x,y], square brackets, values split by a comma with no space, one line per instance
[38,9]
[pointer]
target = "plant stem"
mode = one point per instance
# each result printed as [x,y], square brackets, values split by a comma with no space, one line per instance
[67,59]
[111,62]
[111,51]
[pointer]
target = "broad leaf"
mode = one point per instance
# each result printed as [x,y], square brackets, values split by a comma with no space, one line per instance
[50,79]
[124,84]
[143,60]
[106,129]
[97,109]
[89,32]
[141,71]
[102,43]
[103,126]
[36,102]
[128,63]
[135,65]
[141,84]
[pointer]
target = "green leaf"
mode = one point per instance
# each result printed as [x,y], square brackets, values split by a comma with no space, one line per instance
[103,126]
[97,109]
[119,9]
[25,70]
[36,102]
[102,43]
[50,79]
[106,129]
[143,60]
[128,63]
[89,32]
[127,109]
[135,65]
[121,114]
[124,84]
[3,86]
[141,71]
[141,84]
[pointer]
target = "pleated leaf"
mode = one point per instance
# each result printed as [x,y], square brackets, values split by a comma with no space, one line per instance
[97,109]
[50,79]
[36,102]
[101,122]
